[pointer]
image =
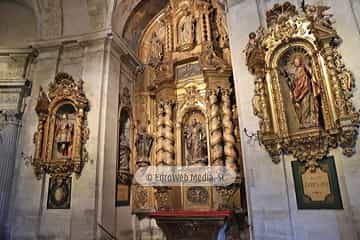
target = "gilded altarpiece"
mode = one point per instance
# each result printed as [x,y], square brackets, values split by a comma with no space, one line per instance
[302,88]
[61,136]
[184,105]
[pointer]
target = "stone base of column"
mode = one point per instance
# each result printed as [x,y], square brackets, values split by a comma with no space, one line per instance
[4,232]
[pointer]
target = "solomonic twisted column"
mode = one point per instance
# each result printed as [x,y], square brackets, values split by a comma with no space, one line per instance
[165,150]
[169,139]
[215,130]
[228,132]
[165,135]
[159,135]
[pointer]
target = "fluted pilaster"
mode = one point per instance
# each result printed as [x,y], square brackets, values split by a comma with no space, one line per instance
[8,143]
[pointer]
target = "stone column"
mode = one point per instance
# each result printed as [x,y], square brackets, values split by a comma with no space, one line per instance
[9,129]
[14,70]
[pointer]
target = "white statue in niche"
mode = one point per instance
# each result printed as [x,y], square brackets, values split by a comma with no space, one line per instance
[186,30]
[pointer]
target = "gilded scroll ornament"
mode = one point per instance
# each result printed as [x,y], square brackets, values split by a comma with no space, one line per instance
[302,89]
[62,133]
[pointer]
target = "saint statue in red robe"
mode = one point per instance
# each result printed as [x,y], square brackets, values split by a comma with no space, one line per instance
[305,92]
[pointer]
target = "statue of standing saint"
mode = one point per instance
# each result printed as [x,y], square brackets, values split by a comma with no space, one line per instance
[186,30]
[196,144]
[143,146]
[64,135]
[305,92]
[124,150]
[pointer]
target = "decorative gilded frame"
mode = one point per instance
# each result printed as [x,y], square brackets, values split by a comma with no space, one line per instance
[64,90]
[287,28]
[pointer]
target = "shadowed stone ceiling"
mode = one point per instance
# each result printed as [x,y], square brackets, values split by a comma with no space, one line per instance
[139,18]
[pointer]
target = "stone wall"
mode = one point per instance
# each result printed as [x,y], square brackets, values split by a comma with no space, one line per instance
[273,212]
[96,61]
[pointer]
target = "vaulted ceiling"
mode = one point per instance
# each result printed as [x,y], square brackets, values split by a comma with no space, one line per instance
[60,18]
[131,18]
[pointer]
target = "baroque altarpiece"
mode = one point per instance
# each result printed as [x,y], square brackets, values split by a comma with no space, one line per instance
[303,98]
[61,136]
[302,88]
[184,111]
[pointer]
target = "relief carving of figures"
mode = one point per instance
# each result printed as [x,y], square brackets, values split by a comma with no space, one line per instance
[222,29]
[64,135]
[304,91]
[195,142]
[156,50]
[186,30]
[143,144]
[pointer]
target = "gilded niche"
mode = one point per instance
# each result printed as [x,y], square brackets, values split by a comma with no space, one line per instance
[302,88]
[195,139]
[62,133]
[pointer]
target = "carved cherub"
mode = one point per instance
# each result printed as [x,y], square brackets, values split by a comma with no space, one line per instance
[251,45]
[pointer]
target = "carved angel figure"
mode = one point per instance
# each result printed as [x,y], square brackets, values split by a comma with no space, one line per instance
[64,135]
[251,45]
[317,14]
